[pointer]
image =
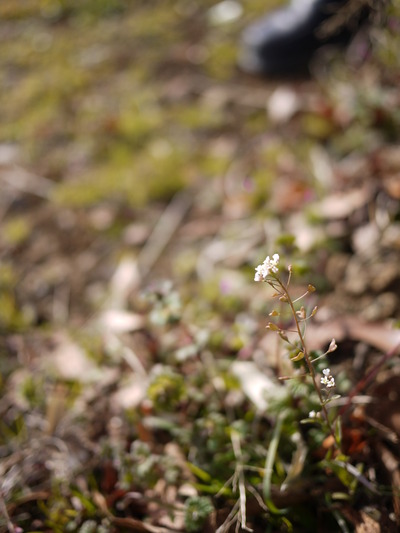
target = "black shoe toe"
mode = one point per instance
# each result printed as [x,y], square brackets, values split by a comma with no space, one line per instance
[283,42]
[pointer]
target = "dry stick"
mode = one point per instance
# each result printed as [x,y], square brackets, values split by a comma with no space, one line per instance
[230,519]
[241,481]
[164,230]
[3,509]
[368,378]
[27,182]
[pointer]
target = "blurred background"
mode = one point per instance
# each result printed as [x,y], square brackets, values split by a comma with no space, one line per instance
[109,108]
[133,150]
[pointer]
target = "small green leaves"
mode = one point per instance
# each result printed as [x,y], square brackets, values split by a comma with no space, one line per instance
[166,390]
[197,509]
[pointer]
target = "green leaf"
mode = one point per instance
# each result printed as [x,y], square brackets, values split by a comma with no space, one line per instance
[199,472]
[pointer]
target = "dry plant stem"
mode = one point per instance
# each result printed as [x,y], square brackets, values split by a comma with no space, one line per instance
[240,479]
[230,519]
[3,510]
[308,360]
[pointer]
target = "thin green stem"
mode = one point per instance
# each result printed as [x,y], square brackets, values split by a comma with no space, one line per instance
[308,361]
[269,464]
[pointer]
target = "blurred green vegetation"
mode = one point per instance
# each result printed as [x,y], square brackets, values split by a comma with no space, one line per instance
[85,96]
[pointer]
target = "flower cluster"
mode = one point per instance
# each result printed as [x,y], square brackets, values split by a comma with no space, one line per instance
[267,267]
[328,380]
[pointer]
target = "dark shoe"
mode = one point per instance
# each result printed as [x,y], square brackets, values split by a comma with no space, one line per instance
[284,42]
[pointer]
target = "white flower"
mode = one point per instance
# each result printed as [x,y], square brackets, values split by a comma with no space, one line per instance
[328,380]
[267,267]
[312,414]
[259,275]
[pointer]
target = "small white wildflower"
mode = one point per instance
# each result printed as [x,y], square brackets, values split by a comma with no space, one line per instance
[312,414]
[273,262]
[328,380]
[270,265]
[259,275]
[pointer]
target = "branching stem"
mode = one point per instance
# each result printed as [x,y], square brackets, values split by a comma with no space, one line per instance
[307,359]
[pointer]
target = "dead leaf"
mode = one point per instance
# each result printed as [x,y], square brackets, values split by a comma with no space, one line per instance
[290,193]
[392,185]
[361,521]
[70,361]
[119,321]
[368,525]
[125,279]
[378,334]
[283,103]
[254,383]
[131,524]
[131,394]
[343,204]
